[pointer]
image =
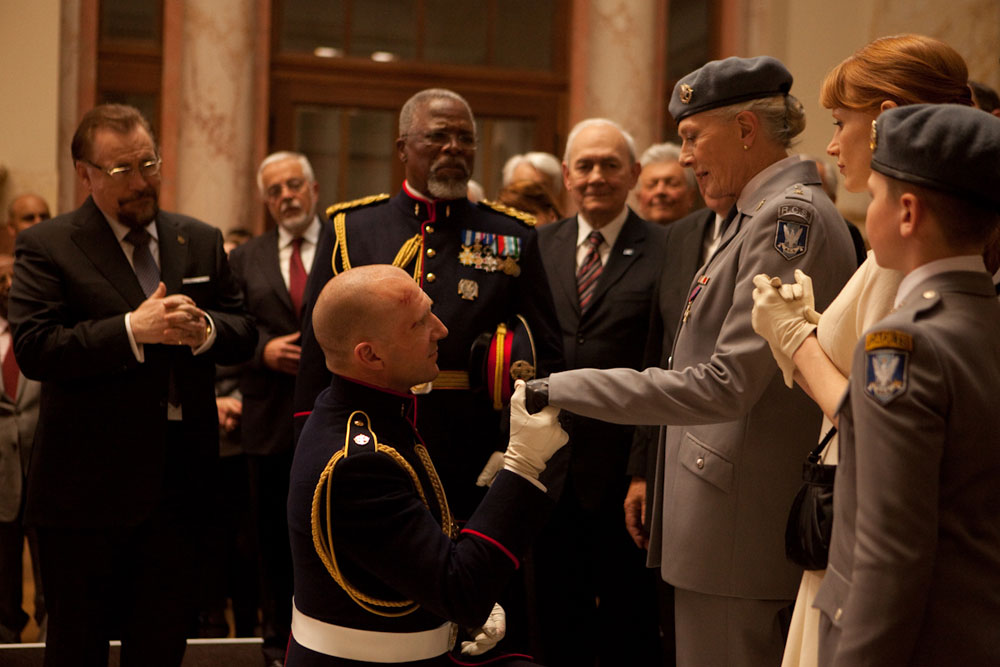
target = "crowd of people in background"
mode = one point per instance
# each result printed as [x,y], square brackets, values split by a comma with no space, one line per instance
[698,311]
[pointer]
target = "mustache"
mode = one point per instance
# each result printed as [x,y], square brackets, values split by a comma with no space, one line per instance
[450,163]
[148,193]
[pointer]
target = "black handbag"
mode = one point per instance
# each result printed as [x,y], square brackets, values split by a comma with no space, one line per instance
[807,533]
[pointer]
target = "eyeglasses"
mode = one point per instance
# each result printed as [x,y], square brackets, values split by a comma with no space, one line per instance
[440,138]
[294,186]
[147,169]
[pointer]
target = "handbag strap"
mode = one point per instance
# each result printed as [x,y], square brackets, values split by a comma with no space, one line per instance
[814,454]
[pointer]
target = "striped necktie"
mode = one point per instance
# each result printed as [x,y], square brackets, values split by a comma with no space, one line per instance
[590,270]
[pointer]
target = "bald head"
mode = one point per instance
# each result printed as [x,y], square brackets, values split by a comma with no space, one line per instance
[374,324]
[25,211]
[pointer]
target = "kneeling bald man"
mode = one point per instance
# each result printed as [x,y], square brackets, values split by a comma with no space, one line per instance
[382,575]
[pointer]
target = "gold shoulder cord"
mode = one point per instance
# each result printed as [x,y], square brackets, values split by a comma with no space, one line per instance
[339,232]
[412,248]
[526,218]
[323,539]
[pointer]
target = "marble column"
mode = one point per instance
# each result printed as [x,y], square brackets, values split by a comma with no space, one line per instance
[213,114]
[617,64]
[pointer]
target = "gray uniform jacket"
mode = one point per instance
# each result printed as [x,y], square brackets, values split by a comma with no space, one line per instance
[914,570]
[729,464]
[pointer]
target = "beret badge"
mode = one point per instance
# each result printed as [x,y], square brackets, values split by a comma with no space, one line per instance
[686,93]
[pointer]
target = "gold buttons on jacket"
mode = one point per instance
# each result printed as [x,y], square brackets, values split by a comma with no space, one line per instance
[838,614]
[700,463]
[431,277]
[431,252]
[930,294]
[429,229]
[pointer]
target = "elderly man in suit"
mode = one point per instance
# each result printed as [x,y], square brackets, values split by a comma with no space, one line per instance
[273,270]
[603,265]
[122,311]
[18,416]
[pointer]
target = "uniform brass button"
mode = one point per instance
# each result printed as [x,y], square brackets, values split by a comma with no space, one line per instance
[700,463]
[930,294]
[837,614]
[429,229]
[431,252]
[431,277]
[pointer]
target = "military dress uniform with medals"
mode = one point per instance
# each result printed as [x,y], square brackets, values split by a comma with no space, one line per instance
[481,266]
[383,573]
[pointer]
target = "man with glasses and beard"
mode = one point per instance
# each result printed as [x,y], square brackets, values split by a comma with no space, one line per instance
[480,265]
[122,312]
[273,270]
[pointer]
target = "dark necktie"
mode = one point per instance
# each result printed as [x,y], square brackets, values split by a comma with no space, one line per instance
[142,260]
[296,276]
[590,270]
[10,373]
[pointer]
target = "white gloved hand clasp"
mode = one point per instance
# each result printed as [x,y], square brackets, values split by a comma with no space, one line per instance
[533,438]
[784,315]
[486,636]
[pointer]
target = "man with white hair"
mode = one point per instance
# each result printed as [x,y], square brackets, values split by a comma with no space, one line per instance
[273,270]
[535,166]
[603,264]
[667,191]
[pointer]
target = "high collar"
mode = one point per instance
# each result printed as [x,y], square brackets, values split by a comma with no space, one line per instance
[379,400]
[426,209]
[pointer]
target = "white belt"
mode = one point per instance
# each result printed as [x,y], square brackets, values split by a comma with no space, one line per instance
[369,645]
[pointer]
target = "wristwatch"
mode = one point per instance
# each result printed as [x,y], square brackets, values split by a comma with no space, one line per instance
[536,395]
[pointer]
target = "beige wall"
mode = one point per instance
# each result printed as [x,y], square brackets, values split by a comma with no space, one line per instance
[29,100]
[813,36]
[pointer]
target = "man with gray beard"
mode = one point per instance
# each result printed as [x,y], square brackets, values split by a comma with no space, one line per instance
[273,270]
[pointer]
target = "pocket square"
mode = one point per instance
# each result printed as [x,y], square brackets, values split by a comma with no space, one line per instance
[194,280]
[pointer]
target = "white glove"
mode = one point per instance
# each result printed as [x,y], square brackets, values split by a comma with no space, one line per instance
[487,636]
[533,438]
[784,315]
[490,470]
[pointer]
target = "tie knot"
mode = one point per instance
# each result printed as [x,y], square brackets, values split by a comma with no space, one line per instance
[137,236]
[297,242]
[595,239]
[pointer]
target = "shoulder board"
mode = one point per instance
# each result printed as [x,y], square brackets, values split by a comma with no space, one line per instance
[359,436]
[356,203]
[510,212]
[799,191]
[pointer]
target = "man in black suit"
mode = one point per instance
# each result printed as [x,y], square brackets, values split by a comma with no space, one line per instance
[273,270]
[122,311]
[603,264]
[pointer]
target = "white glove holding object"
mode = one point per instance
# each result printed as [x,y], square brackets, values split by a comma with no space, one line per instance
[533,438]
[487,636]
[784,315]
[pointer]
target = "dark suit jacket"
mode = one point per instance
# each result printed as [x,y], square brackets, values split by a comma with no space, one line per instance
[685,240]
[99,455]
[266,426]
[612,333]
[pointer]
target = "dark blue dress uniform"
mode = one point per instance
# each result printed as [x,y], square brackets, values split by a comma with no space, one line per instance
[388,536]
[481,266]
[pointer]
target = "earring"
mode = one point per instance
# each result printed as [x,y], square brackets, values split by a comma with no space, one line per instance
[745,147]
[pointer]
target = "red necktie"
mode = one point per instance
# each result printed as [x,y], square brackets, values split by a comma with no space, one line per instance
[590,270]
[11,373]
[296,276]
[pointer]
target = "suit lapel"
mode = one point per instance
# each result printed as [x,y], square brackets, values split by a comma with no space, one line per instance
[563,260]
[98,244]
[173,253]
[627,249]
[270,267]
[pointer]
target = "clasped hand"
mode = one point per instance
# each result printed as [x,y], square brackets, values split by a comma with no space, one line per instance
[784,315]
[534,438]
[170,320]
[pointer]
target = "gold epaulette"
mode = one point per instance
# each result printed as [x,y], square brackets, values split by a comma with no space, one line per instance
[355,203]
[359,431]
[509,211]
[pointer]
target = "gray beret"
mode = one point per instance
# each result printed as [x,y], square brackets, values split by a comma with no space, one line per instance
[724,82]
[946,147]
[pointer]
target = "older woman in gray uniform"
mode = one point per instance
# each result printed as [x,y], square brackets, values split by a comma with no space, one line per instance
[729,460]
